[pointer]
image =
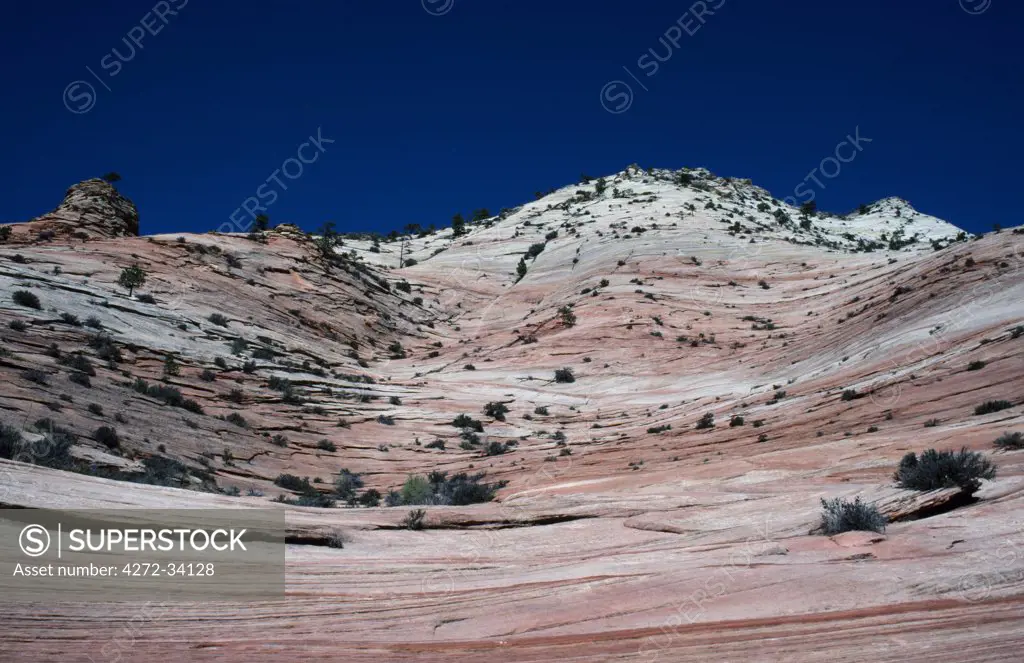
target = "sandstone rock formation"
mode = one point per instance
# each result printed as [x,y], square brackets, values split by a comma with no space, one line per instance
[824,347]
[92,209]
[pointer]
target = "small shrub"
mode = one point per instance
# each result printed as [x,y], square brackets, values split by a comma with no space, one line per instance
[96,409]
[736,421]
[218,319]
[171,366]
[414,519]
[146,298]
[93,322]
[842,516]
[71,319]
[706,421]
[11,442]
[237,420]
[81,379]
[207,375]
[496,410]
[654,430]
[495,449]
[567,315]
[564,376]
[386,420]
[1010,441]
[326,445]
[975,365]
[541,410]
[944,469]
[26,299]
[17,325]
[107,436]
[36,376]
[931,423]
[469,367]
[279,440]
[78,362]
[293,483]
[850,394]
[395,400]
[467,422]
[988,407]
[763,437]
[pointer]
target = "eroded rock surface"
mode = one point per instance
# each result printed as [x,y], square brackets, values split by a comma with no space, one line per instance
[625,532]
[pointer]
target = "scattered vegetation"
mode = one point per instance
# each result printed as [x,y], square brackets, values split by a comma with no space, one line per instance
[438,488]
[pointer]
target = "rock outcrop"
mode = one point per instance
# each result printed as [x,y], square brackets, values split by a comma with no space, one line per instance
[92,209]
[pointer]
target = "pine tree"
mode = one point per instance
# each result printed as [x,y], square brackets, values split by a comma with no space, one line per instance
[131,278]
[521,269]
[458,226]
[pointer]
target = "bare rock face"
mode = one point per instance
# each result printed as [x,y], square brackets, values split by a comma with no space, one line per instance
[93,207]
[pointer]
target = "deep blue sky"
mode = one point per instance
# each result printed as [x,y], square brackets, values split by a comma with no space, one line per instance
[496,99]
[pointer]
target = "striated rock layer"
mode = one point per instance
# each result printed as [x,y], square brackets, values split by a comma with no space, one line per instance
[624,531]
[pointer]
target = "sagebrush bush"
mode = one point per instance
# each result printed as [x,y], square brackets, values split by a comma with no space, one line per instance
[414,519]
[26,299]
[326,445]
[107,436]
[706,421]
[237,419]
[944,469]
[496,410]
[564,376]
[11,442]
[988,407]
[1010,441]
[78,362]
[218,319]
[293,483]
[842,516]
